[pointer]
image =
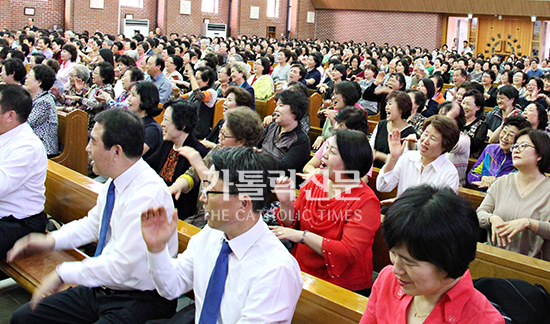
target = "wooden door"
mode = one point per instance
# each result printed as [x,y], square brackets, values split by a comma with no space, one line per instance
[504,36]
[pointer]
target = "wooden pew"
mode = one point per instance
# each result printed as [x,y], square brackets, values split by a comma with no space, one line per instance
[63,187]
[446,87]
[261,108]
[498,263]
[314,132]
[315,102]
[218,112]
[372,125]
[161,115]
[72,133]
[271,104]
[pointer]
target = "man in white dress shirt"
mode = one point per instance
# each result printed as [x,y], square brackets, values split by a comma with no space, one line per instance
[23,166]
[262,281]
[114,285]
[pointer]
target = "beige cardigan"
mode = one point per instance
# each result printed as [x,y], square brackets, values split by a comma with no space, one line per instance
[503,199]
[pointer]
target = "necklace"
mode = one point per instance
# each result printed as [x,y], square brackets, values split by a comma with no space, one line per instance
[416,314]
[534,184]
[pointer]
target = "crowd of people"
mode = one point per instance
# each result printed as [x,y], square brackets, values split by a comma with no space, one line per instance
[213,176]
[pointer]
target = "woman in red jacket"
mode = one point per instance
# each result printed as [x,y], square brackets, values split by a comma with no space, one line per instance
[334,218]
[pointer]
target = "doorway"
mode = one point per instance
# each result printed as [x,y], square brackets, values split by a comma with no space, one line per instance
[545,40]
[457,33]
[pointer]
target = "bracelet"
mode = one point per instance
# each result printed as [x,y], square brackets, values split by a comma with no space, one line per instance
[303,237]
[529,220]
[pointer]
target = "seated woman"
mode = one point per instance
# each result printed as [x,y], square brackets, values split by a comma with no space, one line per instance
[519,82]
[261,81]
[235,97]
[338,216]
[377,92]
[402,66]
[534,87]
[337,75]
[180,118]
[496,159]
[537,116]
[355,72]
[203,95]
[144,101]
[174,64]
[475,128]
[490,92]
[507,99]
[313,76]
[71,98]
[349,117]
[102,77]
[429,280]
[460,154]
[345,94]
[242,127]
[224,81]
[427,165]
[416,120]
[398,109]
[515,211]
[427,87]
[43,116]
[280,72]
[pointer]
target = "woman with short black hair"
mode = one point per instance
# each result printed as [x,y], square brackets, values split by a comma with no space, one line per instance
[179,120]
[430,256]
[261,81]
[43,117]
[144,101]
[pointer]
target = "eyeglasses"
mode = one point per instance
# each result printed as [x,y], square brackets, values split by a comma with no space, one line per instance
[223,135]
[521,147]
[206,192]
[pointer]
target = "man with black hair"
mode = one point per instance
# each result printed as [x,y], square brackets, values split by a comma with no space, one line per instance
[155,66]
[245,274]
[13,71]
[23,166]
[114,285]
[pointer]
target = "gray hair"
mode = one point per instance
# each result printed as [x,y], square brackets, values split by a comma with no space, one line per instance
[241,67]
[237,57]
[82,72]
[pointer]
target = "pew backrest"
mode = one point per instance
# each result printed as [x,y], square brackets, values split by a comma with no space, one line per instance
[72,133]
[218,112]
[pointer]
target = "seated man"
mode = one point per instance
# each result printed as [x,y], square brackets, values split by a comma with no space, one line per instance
[155,66]
[284,139]
[23,166]
[13,71]
[261,280]
[459,77]
[113,286]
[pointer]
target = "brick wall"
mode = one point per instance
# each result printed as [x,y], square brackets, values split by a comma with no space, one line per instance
[46,15]
[415,29]
[84,18]
[191,24]
[303,29]
[249,27]
[149,11]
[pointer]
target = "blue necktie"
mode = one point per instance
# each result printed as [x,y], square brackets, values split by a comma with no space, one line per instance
[216,286]
[106,219]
